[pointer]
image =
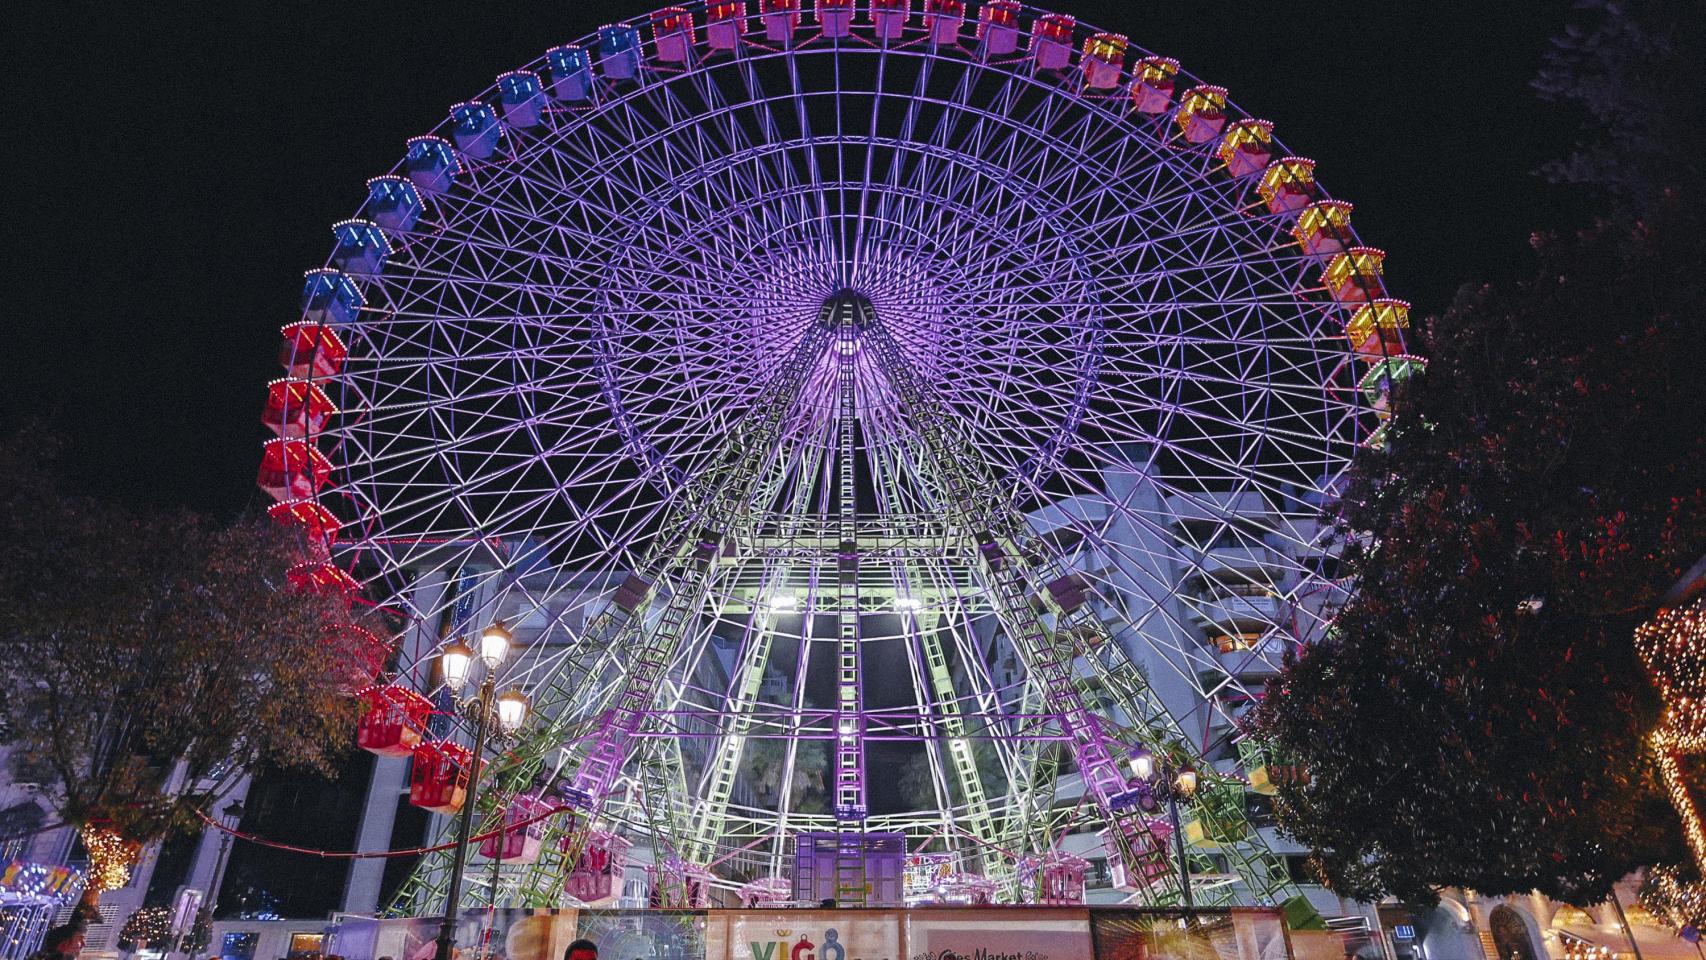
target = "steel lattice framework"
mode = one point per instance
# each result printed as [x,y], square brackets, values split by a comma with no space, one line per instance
[780,375]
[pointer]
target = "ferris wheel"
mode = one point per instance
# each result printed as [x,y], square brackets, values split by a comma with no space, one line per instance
[867,420]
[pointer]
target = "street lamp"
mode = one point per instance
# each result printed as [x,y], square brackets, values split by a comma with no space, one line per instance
[509,712]
[1167,783]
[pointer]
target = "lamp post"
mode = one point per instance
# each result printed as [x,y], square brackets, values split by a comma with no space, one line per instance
[1168,784]
[510,712]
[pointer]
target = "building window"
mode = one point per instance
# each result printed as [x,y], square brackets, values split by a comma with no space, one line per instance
[1200,534]
[1300,867]
[1259,808]
[239,946]
[1233,642]
[1098,875]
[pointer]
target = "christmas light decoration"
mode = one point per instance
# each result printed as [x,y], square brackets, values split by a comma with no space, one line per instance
[1670,769]
[1673,646]
[110,857]
[1575,948]
[148,926]
[1673,897]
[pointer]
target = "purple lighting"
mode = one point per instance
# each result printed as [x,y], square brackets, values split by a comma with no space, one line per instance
[867,429]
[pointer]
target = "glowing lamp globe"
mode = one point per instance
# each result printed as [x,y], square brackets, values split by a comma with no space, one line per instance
[494,644]
[457,658]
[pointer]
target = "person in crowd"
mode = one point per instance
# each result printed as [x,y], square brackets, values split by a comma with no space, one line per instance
[62,943]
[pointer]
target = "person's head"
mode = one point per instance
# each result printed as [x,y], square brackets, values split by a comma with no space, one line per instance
[67,941]
[581,950]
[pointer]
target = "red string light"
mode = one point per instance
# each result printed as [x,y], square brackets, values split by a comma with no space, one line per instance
[376,854]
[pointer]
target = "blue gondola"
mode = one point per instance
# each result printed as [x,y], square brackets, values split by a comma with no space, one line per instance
[570,70]
[619,51]
[329,297]
[523,98]
[393,203]
[432,164]
[362,247]
[475,128]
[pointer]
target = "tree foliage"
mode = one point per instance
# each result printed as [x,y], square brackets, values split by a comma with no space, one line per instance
[1475,718]
[150,658]
[765,759]
[1634,71]
[918,784]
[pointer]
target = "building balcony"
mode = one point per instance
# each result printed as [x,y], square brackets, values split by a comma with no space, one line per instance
[1234,614]
[1261,660]
[1258,562]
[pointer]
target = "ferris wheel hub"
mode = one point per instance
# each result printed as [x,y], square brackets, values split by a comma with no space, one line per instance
[849,311]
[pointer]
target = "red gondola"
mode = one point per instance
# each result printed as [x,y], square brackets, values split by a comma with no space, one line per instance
[322,578]
[998,26]
[1288,184]
[296,408]
[311,350]
[724,21]
[672,34]
[1051,41]
[1324,228]
[392,720]
[1376,330]
[439,778]
[1357,275]
[524,831]
[943,18]
[292,469]
[597,876]
[1054,879]
[316,522]
[890,16]
[1103,60]
[781,19]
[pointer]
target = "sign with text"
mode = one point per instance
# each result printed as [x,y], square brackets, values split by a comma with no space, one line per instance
[1158,935]
[998,935]
[804,935]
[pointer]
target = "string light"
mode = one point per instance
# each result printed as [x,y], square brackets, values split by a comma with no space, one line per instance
[1672,645]
[110,857]
[1576,948]
[1673,898]
[1670,770]
[147,926]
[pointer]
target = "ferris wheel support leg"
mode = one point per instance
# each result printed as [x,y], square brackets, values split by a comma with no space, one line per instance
[663,786]
[1031,799]
[726,497]
[978,819]
[1008,564]
[710,811]
[850,805]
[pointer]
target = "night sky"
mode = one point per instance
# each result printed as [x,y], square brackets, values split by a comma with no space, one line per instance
[173,168]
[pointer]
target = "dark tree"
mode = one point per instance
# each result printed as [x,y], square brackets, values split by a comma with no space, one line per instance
[1475,718]
[1633,68]
[150,658]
